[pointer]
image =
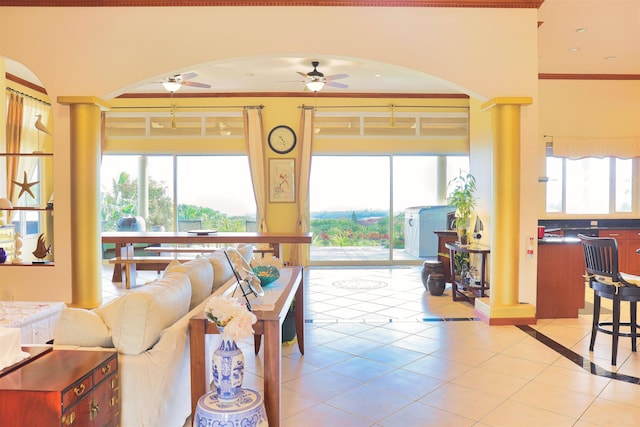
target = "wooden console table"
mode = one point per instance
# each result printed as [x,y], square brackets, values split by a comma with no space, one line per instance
[460,290]
[124,241]
[269,325]
[62,387]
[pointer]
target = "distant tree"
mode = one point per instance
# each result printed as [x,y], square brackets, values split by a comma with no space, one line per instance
[121,200]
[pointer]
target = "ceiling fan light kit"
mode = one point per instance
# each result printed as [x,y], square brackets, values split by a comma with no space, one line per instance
[317,80]
[171,86]
[315,85]
[175,82]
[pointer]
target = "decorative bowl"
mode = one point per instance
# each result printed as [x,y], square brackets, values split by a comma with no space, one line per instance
[266,273]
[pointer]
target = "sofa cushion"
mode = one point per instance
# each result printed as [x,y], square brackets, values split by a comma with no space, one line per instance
[246,250]
[85,328]
[200,272]
[222,271]
[137,318]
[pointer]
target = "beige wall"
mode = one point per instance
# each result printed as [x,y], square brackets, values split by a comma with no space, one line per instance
[101,51]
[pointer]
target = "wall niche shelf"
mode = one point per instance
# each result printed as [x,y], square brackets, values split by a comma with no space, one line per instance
[34,154]
[32,215]
[26,208]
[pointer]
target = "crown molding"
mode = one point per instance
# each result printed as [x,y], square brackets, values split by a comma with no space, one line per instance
[294,95]
[25,83]
[559,76]
[335,3]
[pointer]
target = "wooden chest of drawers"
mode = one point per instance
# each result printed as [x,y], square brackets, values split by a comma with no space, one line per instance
[64,388]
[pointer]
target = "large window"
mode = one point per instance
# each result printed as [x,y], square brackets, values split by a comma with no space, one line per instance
[358,203]
[589,186]
[177,192]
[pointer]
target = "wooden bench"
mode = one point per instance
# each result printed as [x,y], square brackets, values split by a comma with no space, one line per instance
[198,250]
[132,264]
[181,249]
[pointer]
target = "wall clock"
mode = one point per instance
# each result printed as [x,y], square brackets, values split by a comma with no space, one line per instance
[282,139]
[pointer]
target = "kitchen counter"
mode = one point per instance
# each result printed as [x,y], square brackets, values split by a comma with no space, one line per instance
[560,285]
[558,240]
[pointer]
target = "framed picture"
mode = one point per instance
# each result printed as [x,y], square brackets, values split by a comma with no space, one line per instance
[282,180]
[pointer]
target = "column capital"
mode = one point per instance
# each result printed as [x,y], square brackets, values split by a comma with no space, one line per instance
[88,100]
[506,100]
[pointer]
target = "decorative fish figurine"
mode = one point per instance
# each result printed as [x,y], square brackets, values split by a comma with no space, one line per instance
[41,248]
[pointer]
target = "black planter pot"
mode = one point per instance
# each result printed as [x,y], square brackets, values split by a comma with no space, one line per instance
[289,327]
[436,284]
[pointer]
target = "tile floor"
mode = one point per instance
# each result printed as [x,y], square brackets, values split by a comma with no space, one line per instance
[380,351]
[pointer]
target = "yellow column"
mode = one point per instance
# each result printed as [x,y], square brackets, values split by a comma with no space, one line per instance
[86,272]
[503,307]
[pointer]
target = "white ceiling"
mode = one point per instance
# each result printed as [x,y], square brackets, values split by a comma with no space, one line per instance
[610,44]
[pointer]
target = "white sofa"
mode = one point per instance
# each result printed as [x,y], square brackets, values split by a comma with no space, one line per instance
[149,328]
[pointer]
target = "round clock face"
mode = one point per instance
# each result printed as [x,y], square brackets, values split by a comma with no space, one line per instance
[282,139]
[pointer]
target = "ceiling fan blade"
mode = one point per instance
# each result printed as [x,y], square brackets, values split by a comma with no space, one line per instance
[305,75]
[187,76]
[337,84]
[337,76]
[196,84]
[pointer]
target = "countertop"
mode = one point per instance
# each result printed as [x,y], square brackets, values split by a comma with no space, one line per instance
[558,240]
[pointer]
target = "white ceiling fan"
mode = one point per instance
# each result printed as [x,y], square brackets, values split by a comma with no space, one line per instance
[317,80]
[174,83]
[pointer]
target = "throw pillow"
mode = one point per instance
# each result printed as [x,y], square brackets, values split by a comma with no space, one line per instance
[222,271]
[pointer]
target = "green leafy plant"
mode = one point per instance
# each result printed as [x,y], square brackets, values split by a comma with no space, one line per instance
[461,196]
[461,261]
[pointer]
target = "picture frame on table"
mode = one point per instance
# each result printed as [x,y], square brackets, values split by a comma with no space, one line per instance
[282,181]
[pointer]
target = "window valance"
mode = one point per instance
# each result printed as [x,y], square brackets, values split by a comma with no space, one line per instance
[577,148]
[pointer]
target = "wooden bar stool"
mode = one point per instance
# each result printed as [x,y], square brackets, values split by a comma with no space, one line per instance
[601,261]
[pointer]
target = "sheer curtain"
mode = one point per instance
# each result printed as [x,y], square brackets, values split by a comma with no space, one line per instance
[254,139]
[15,111]
[24,137]
[299,252]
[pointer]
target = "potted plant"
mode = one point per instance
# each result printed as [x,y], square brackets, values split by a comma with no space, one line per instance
[461,197]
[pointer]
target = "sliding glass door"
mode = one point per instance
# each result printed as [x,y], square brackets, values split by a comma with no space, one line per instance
[358,205]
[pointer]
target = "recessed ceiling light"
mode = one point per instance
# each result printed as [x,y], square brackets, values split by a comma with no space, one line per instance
[609,58]
[574,49]
[581,30]
[377,75]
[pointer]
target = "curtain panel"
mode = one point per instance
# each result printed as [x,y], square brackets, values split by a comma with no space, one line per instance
[254,139]
[299,252]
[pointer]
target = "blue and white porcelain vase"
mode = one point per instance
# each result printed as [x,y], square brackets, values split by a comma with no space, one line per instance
[228,368]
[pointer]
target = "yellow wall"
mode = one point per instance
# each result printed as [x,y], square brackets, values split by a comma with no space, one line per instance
[485,52]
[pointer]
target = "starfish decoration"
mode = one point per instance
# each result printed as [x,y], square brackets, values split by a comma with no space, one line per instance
[25,186]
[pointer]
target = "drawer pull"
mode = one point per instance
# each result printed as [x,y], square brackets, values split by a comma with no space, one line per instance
[79,390]
[113,401]
[106,369]
[94,409]
[68,419]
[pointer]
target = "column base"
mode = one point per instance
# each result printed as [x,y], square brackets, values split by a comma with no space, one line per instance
[517,314]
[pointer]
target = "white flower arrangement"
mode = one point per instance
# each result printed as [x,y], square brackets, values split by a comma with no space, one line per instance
[231,315]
